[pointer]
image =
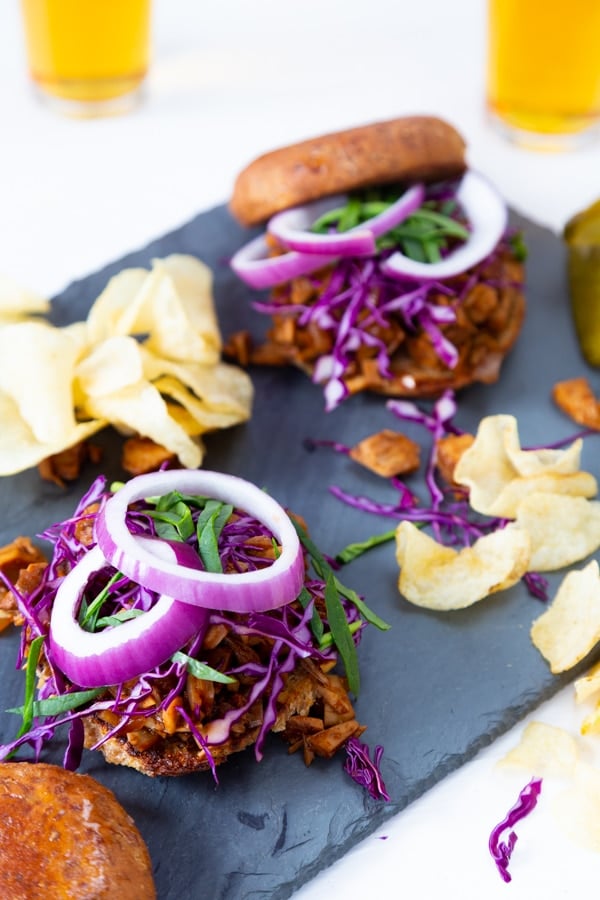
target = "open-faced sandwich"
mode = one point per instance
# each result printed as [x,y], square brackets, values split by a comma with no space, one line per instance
[390,263]
[170,686]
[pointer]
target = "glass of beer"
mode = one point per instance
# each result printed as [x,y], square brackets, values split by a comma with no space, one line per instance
[88,57]
[543,71]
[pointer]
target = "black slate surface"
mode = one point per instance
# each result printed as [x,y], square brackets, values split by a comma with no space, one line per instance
[436,688]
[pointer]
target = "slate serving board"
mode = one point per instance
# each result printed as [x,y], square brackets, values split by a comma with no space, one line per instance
[436,688]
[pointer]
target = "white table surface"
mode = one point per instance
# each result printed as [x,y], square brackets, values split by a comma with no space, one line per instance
[229,80]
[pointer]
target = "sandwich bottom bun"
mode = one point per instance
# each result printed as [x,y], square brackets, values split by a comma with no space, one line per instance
[64,835]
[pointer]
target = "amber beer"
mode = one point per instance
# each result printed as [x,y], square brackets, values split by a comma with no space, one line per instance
[543,78]
[90,56]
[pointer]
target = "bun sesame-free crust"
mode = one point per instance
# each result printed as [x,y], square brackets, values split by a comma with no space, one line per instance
[409,149]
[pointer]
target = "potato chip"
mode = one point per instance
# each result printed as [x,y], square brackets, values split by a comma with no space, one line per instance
[543,750]
[113,364]
[577,808]
[20,449]
[222,387]
[591,723]
[171,308]
[140,409]
[16,303]
[116,309]
[570,628]
[37,373]
[441,578]
[499,474]
[208,417]
[588,684]
[180,316]
[563,529]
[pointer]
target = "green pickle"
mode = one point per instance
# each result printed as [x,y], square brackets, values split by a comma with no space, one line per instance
[582,237]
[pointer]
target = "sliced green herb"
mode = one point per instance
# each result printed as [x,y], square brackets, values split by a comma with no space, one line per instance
[341,635]
[316,625]
[54,706]
[422,236]
[321,565]
[518,246]
[340,630]
[88,615]
[352,551]
[124,615]
[327,639]
[366,612]
[208,528]
[27,710]
[201,670]
[351,214]
[172,517]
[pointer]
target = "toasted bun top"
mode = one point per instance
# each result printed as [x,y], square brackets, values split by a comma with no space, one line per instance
[66,835]
[415,148]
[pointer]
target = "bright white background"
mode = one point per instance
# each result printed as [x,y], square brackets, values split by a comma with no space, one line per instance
[229,80]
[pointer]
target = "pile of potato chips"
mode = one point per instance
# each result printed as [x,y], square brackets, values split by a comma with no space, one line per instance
[544,496]
[147,360]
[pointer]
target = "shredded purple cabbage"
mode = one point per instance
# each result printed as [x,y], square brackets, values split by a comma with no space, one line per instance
[364,770]
[445,510]
[502,849]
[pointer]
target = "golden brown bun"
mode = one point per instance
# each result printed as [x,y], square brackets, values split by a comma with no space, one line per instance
[415,148]
[64,835]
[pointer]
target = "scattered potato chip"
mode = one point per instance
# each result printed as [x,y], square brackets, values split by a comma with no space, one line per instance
[499,474]
[16,303]
[576,398]
[563,529]
[577,808]
[387,453]
[147,360]
[570,628]
[441,578]
[543,750]
[591,723]
[588,684]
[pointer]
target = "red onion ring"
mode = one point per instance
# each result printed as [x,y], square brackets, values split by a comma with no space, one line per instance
[253,591]
[259,270]
[290,228]
[253,264]
[488,217]
[101,658]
